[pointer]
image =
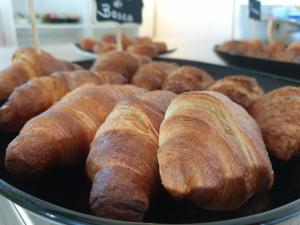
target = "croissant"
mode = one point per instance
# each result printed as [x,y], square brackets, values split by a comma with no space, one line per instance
[26,63]
[187,78]
[61,135]
[38,94]
[119,62]
[277,114]
[241,89]
[152,75]
[211,152]
[122,162]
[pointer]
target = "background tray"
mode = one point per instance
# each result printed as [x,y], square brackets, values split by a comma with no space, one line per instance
[285,69]
[63,194]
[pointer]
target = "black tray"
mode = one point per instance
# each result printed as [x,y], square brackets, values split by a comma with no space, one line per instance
[285,69]
[62,194]
[91,52]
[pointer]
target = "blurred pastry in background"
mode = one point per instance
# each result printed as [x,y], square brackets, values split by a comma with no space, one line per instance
[243,90]
[88,43]
[103,47]
[149,50]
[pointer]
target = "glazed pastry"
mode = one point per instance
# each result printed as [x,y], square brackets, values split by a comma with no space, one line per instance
[149,50]
[187,78]
[241,89]
[211,152]
[119,62]
[38,94]
[61,136]
[26,64]
[152,75]
[277,114]
[122,162]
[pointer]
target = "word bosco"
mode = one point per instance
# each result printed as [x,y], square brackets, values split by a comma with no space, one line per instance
[106,12]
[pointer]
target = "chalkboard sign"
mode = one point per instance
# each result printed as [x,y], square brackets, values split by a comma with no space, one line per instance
[122,11]
[254,9]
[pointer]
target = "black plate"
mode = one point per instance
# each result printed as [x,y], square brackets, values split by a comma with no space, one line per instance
[285,69]
[84,50]
[62,194]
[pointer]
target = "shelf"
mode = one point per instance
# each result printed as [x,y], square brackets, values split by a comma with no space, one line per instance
[51,26]
[292,21]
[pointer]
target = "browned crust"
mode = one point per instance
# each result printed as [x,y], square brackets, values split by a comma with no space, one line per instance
[187,78]
[211,152]
[241,89]
[277,114]
[149,50]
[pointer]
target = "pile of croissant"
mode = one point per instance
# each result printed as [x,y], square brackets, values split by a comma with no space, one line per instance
[276,50]
[173,127]
[140,45]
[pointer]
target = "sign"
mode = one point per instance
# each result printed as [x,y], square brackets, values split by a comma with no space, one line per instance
[254,9]
[122,11]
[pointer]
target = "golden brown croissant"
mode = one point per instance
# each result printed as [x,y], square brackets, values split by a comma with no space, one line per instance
[187,78]
[38,94]
[119,62]
[212,152]
[240,89]
[26,63]
[61,135]
[152,75]
[278,115]
[122,162]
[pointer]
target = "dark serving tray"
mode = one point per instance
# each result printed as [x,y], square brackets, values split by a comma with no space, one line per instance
[91,52]
[62,195]
[285,69]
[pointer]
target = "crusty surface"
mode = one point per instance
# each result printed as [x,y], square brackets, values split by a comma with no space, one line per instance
[243,90]
[123,159]
[38,94]
[62,134]
[119,62]
[278,115]
[187,78]
[152,75]
[161,46]
[211,152]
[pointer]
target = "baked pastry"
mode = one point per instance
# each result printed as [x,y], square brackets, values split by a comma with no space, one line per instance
[103,47]
[152,75]
[149,50]
[278,115]
[187,78]
[122,162]
[61,136]
[242,90]
[38,94]
[111,38]
[142,59]
[211,152]
[89,43]
[26,64]
[161,46]
[119,62]
[143,40]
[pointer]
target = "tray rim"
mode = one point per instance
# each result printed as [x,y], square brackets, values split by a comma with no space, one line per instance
[66,216]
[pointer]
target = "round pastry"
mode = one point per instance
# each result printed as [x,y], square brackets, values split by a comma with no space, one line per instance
[161,46]
[241,89]
[88,43]
[119,62]
[278,115]
[143,40]
[187,78]
[103,47]
[111,38]
[152,75]
[142,59]
[149,50]
[294,50]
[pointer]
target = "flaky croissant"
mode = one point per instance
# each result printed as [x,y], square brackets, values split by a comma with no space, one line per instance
[278,115]
[187,78]
[152,75]
[38,94]
[119,62]
[211,152]
[243,90]
[26,64]
[61,135]
[122,162]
